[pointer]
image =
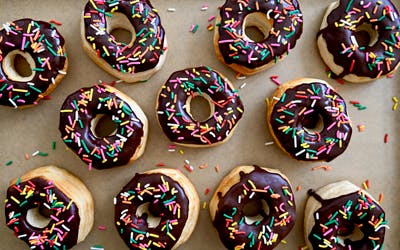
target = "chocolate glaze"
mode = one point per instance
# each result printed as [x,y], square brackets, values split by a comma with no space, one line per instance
[16,37]
[148,45]
[337,37]
[16,214]
[230,211]
[75,127]
[179,125]
[151,188]
[285,14]
[291,112]
[356,204]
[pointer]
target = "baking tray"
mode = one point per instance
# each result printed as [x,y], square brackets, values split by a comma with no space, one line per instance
[367,157]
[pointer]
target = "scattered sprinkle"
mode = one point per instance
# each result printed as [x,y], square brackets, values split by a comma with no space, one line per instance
[204,7]
[203,166]
[160,164]
[204,205]
[298,188]
[240,76]
[9,163]
[102,227]
[380,198]
[324,167]
[207,191]
[171,9]
[53,145]
[188,167]
[358,105]
[55,22]
[97,247]
[243,85]
[395,103]
[193,28]
[217,168]
[365,185]
[268,143]
[360,127]
[275,80]
[386,138]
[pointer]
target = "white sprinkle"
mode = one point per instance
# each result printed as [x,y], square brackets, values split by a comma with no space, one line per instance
[12,102]
[35,153]
[243,85]
[62,72]
[187,162]
[171,9]
[300,152]
[268,143]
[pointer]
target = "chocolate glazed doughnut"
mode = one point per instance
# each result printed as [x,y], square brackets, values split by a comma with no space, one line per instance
[340,49]
[243,185]
[281,23]
[80,114]
[335,210]
[43,48]
[173,107]
[295,113]
[142,56]
[157,209]
[65,199]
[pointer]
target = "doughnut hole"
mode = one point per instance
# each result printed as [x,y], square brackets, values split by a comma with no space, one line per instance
[200,107]
[349,233]
[255,210]
[18,65]
[366,35]
[313,123]
[38,217]
[120,29]
[256,27]
[103,125]
[151,213]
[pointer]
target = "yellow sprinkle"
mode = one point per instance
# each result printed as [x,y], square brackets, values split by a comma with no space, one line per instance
[66,110]
[106,50]
[181,152]
[20,90]
[204,205]
[14,199]
[284,241]
[171,236]
[69,205]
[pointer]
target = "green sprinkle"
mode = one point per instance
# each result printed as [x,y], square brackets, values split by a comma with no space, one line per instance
[53,145]
[43,154]
[9,163]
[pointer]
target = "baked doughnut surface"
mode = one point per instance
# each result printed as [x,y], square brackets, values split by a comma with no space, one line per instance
[333,211]
[79,115]
[281,23]
[43,48]
[142,56]
[351,58]
[243,185]
[157,209]
[65,199]
[173,107]
[308,120]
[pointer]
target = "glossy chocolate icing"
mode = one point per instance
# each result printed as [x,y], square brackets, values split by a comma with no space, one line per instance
[179,125]
[383,56]
[77,113]
[64,214]
[300,107]
[357,209]
[167,200]
[148,45]
[235,48]
[278,223]
[43,42]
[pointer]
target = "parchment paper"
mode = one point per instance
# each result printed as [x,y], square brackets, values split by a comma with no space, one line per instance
[367,157]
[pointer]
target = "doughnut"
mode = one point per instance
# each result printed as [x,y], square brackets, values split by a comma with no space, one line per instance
[280,22]
[308,120]
[157,209]
[142,56]
[335,210]
[49,208]
[268,188]
[80,114]
[173,107]
[43,48]
[354,59]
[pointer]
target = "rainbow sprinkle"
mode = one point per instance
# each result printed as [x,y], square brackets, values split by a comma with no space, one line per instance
[60,233]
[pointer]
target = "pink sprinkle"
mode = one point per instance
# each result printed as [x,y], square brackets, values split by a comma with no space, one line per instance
[10,44]
[211,18]
[102,228]
[275,80]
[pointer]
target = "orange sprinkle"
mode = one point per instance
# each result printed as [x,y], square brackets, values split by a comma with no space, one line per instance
[380,198]
[27,156]
[324,167]
[298,188]
[55,22]
[203,166]
[275,196]
[366,184]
